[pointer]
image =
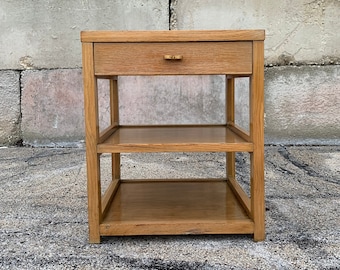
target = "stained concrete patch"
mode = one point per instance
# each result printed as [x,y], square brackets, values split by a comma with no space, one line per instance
[52,106]
[172,100]
[43,213]
[302,105]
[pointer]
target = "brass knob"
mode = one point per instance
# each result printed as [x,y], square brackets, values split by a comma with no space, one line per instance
[172,57]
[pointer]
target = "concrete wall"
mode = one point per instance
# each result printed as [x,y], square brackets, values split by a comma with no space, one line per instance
[40,67]
[10,106]
[297,32]
[45,34]
[302,55]
[40,62]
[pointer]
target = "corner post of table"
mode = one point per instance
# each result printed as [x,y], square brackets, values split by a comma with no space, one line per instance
[114,110]
[257,136]
[92,138]
[230,119]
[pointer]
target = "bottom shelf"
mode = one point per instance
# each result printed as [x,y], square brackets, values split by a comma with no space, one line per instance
[166,207]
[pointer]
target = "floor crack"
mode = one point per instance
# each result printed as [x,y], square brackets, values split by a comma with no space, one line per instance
[305,167]
[302,166]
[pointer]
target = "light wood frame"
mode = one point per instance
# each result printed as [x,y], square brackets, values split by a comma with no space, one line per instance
[244,57]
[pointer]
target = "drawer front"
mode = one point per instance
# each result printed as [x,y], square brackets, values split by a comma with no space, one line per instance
[173,58]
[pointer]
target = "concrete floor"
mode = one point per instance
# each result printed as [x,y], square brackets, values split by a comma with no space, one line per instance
[43,213]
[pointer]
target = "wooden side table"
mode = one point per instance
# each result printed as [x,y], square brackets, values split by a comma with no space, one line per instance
[170,206]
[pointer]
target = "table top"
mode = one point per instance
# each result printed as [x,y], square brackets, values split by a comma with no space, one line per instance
[172,36]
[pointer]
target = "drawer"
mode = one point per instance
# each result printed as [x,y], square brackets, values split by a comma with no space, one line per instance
[173,58]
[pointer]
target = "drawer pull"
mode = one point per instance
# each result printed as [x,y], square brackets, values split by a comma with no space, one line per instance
[172,57]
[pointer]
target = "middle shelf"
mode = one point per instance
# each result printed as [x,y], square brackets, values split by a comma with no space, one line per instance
[130,139]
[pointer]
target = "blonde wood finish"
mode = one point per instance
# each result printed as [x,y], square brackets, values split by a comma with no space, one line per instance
[109,194]
[239,131]
[174,206]
[257,136]
[114,107]
[171,36]
[106,133]
[115,157]
[164,207]
[240,194]
[230,97]
[197,58]
[174,139]
[230,118]
[92,138]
